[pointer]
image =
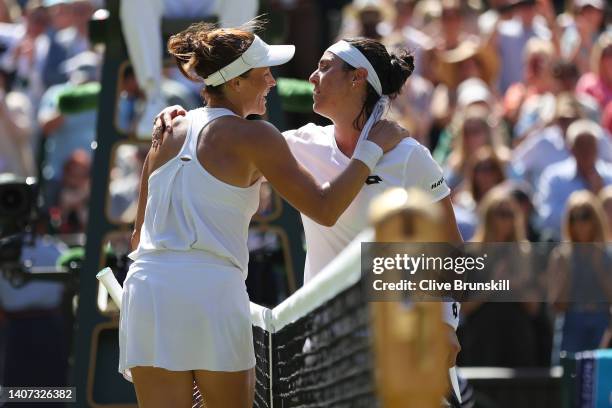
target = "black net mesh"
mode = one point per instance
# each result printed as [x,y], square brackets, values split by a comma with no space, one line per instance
[324,358]
[262,369]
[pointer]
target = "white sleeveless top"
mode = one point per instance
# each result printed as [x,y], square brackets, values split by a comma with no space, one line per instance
[190,209]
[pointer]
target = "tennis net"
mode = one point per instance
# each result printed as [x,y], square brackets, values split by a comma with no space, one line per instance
[315,349]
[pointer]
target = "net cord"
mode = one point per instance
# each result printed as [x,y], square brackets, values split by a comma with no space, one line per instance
[343,272]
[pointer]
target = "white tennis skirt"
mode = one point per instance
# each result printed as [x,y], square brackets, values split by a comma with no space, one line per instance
[185,311]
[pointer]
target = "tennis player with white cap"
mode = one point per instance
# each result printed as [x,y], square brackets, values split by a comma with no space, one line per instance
[185,309]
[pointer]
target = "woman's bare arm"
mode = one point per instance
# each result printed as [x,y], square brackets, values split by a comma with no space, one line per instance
[453,229]
[160,152]
[267,149]
[142,203]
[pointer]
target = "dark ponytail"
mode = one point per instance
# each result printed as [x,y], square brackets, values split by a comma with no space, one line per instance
[402,66]
[392,69]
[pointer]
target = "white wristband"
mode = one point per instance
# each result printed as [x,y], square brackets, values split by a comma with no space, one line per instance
[369,153]
[450,313]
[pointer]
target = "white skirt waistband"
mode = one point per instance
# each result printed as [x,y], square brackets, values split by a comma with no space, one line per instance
[182,257]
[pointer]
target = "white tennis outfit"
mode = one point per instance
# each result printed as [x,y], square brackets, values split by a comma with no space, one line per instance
[185,304]
[409,164]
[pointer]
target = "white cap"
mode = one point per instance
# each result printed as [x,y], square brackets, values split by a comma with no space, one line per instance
[598,4]
[86,60]
[583,127]
[471,91]
[258,55]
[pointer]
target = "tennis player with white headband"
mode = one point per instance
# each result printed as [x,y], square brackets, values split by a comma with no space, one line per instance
[353,83]
[185,309]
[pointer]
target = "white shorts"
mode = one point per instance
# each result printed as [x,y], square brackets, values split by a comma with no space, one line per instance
[185,311]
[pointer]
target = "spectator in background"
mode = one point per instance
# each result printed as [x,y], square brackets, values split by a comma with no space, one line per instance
[549,146]
[15,132]
[412,108]
[66,132]
[583,171]
[452,26]
[472,92]
[579,37]
[580,283]
[144,40]
[10,29]
[74,193]
[363,18]
[75,38]
[513,342]
[470,59]
[566,78]
[484,172]
[69,35]
[529,103]
[500,10]
[474,131]
[404,34]
[26,56]
[522,193]
[61,18]
[10,12]
[598,82]
[512,35]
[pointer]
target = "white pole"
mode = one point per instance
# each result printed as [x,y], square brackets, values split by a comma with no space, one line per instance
[107,277]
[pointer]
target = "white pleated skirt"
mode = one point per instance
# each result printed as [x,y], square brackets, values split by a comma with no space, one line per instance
[185,311]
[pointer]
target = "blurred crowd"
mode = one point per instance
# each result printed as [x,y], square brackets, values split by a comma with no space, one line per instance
[512,97]
[48,68]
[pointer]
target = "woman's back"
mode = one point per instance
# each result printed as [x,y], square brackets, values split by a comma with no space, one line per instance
[190,209]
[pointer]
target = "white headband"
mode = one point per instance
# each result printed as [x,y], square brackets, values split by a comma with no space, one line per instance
[352,56]
[356,59]
[259,54]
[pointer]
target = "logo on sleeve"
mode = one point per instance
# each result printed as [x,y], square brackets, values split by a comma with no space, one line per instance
[437,183]
[373,180]
[455,310]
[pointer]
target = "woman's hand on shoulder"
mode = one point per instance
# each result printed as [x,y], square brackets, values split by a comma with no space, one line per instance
[168,146]
[163,124]
[387,134]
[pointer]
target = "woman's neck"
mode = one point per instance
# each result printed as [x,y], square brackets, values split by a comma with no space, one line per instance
[344,130]
[345,133]
[223,102]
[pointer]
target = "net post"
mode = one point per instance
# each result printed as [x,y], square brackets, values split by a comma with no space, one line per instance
[410,354]
[410,339]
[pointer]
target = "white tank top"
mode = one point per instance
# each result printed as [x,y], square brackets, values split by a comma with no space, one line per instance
[190,209]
